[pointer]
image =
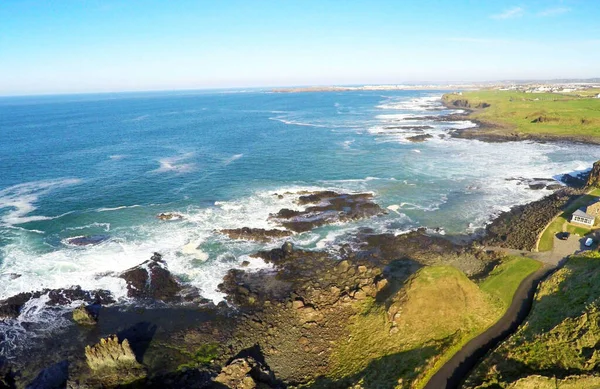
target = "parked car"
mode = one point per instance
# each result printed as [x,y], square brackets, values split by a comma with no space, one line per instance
[563,235]
[589,242]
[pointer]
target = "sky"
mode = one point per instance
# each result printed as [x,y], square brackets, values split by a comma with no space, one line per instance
[72,46]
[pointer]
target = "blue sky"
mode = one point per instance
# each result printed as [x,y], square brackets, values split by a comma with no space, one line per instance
[94,46]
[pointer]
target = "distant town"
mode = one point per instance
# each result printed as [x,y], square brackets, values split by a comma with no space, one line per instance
[588,88]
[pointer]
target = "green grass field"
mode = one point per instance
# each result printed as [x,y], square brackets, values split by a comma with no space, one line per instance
[548,114]
[560,337]
[547,239]
[402,345]
[506,278]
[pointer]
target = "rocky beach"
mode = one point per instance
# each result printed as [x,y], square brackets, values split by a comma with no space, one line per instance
[280,327]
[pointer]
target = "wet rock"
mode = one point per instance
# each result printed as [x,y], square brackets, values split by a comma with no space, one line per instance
[166,216]
[537,186]
[256,234]
[12,306]
[419,138]
[331,207]
[87,240]
[84,316]
[151,280]
[578,181]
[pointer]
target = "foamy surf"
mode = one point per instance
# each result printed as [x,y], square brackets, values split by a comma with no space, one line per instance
[20,200]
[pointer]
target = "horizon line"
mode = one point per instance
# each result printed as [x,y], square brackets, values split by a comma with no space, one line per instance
[274,87]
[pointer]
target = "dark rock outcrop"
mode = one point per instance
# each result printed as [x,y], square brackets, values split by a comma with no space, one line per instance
[594,176]
[520,227]
[419,138]
[88,240]
[151,280]
[331,207]
[422,248]
[11,307]
[256,234]
[464,103]
[167,216]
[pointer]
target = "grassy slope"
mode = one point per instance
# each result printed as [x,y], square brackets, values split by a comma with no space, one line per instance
[547,238]
[560,338]
[564,115]
[440,311]
[506,278]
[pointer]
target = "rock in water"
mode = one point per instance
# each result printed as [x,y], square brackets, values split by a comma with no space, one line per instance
[256,234]
[113,363]
[169,216]
[151,279]
[88,240]
[11,307]
[594,177]
[83,316]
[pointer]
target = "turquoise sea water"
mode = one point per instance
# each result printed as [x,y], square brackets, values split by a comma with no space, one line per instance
[107,164]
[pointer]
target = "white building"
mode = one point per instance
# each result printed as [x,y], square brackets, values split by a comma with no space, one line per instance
[581,217]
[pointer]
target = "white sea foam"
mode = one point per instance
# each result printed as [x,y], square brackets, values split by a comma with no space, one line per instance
[108,209]
[176,164]
[104,226]
[21,199]
[292,122]
[182,245]
[424,103]
[232,159]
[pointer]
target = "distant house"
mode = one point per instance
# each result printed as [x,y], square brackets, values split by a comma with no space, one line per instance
[598,97]
[581,217]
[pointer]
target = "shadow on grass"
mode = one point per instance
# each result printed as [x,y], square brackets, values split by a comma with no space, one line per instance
[385,372]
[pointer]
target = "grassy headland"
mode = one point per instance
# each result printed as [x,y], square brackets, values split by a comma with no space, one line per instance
[558,344]
[438,311]
[511,115]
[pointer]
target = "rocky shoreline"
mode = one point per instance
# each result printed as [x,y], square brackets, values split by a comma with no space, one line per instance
[279,327]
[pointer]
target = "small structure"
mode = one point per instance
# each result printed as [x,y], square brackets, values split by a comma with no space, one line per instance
[581,217]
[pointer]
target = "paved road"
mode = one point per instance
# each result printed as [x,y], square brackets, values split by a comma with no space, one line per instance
[452,374]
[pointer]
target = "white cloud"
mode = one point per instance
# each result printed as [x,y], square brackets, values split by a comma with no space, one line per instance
[514,12]
[554,11]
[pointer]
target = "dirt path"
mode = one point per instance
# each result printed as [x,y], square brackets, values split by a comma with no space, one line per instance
[458,367]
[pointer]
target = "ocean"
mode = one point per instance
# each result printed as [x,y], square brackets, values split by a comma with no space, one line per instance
[107,164]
